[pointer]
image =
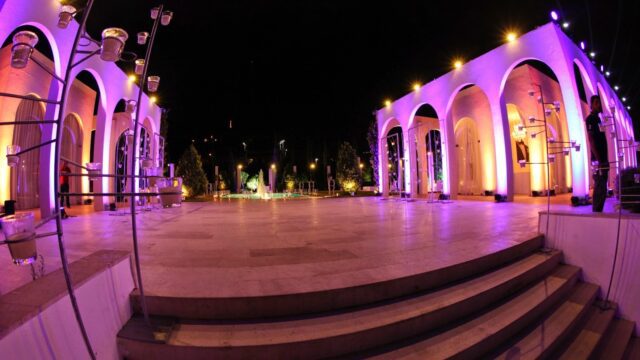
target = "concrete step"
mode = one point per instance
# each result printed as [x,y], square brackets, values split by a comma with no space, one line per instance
[304,303]
[589,335]
[548,334]
[483,333]
[339,333]
[615,340]
[633,349]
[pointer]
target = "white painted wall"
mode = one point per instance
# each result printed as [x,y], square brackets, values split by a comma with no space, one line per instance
[54,333]
[589,241]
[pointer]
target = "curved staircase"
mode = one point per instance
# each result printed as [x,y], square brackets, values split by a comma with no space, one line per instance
[517,303]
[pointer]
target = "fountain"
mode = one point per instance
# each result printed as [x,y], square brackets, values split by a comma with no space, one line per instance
[261,191]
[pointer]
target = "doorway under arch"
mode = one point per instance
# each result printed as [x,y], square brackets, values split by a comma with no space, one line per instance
[25,177]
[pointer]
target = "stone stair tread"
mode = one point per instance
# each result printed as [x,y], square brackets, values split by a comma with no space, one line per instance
[480,334]
[320,327]
[633,349]
[542,339]
[615,340]
[596,323]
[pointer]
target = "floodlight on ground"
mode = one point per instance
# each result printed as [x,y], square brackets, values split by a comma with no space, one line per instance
[67,12]
[152,83]
[113,40]
[23,43]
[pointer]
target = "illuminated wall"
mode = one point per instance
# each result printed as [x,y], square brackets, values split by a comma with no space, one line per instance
[490,73]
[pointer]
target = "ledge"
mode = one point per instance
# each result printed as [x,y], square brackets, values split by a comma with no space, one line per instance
[26,302]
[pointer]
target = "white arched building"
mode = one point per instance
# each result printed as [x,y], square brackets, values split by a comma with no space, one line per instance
[30,186]
[468,131]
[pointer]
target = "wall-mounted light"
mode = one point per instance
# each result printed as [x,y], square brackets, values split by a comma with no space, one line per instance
[23,43]
[67,12]
[457,64]
[152,83]
[113,40]
[511,36]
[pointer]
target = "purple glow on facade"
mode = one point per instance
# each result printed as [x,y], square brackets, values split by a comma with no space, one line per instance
[489,72]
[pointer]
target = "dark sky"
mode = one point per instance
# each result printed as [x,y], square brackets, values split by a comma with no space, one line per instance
[312,72]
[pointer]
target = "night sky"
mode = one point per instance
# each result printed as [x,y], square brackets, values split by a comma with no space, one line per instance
[312,72]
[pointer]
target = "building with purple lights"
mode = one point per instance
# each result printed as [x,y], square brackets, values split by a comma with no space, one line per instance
[480,129]
[97,118]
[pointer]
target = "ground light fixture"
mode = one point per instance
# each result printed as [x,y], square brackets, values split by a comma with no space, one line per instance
[23,43]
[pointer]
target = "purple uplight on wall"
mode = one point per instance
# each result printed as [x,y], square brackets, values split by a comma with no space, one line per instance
[554,15]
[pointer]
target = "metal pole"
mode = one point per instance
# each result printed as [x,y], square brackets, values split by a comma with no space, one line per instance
[134,227]
[56,178]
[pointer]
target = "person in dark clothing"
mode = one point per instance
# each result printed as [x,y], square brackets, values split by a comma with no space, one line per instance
[64,184]
[599,153]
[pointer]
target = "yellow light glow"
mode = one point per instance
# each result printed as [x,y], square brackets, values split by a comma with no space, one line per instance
[273,166]
[511,36]
[239,166]
[457,64]
[387,103]
[416,86]
[153,99]
[389,166]
[312,166]
[132,78]
[361,166]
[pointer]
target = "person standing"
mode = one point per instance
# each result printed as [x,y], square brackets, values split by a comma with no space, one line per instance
[599,154]
[64,184]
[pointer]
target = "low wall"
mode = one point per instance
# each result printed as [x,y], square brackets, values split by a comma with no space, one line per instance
[37,320]
[589,241]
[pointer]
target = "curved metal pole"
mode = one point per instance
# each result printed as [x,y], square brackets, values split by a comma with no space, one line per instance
[134,228]
[56,179]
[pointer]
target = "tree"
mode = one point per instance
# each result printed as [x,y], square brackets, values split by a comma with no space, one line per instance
[347,168]
[190,169]
[372,138]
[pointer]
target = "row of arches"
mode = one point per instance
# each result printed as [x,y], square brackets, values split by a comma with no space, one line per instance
[464,162]
[96,118]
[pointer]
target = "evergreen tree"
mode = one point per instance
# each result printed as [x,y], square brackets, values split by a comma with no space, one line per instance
[347,168]
[190,169]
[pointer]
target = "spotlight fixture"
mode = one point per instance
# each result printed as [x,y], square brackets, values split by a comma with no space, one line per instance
[511,36]
[554,15]
[565,25]
[616,87]
[457,64]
